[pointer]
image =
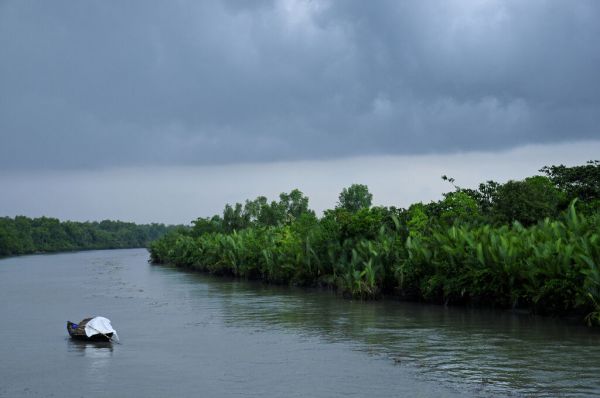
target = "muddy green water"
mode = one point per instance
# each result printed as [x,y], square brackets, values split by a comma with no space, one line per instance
[191,335]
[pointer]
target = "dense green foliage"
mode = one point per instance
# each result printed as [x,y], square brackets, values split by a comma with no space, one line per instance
[355,197]
[23,235]
[532,244]
[577,182]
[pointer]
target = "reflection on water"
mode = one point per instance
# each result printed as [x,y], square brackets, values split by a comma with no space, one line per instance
[91,349]
[98,357]
[492,351]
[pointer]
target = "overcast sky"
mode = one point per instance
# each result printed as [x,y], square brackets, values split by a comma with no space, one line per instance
[100,88]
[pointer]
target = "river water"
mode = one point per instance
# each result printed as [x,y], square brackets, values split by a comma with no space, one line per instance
[191,335]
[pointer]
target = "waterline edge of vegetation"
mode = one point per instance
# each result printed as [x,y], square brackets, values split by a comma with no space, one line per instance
[529,245]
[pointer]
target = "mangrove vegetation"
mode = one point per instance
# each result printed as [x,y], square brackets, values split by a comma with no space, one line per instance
[532,244]
[23,235]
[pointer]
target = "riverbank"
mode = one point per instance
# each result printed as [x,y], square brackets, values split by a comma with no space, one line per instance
[532,244]
[22,235]
[548,268]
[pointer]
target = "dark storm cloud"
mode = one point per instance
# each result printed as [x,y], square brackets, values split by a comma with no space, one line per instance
[88,84]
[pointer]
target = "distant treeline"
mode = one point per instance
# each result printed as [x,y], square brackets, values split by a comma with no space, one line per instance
[23,235]
[531,244]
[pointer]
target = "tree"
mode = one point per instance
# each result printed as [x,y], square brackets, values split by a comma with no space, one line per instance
[362,224]
[234,218]
[527,201]
[260,212]
[354,198]
[207,225]
[484,195]
[581,182]
[458,206]
[294,205]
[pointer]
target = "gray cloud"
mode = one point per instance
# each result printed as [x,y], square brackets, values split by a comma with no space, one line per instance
[96,84]
[181,194]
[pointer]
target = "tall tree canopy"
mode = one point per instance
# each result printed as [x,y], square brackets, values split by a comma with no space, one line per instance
[354,198]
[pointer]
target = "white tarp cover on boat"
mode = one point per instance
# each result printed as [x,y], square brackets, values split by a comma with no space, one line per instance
[98,325]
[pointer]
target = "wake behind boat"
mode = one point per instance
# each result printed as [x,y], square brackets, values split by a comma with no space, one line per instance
[92,329]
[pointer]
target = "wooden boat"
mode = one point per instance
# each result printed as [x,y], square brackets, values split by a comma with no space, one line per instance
[77,332]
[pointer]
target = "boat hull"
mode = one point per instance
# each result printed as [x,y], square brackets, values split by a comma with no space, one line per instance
[77,332]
